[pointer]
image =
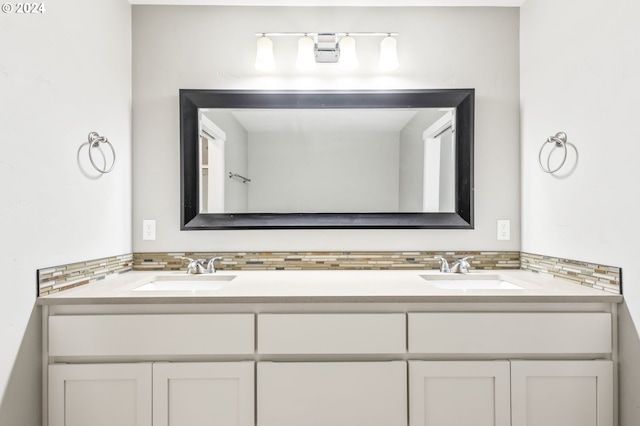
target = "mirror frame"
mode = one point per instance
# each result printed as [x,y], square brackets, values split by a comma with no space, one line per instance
[463,100]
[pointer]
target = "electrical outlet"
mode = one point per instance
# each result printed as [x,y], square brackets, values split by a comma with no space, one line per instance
[504,229]
[148,229]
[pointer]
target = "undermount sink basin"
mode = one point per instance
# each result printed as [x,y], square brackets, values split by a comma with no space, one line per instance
[470,282]
[475,285]
[205,282]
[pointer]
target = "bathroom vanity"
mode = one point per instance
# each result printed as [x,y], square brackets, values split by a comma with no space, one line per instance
[330,348]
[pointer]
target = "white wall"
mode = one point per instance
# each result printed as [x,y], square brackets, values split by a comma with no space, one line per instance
[580,73]
[214,48]
[326,171]
[63,74]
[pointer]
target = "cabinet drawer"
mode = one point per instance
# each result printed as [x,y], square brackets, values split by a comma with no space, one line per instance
[331,333]
[510,333]
[105,335]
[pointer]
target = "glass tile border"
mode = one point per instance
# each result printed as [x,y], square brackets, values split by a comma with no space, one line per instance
[60,278]
[601,277]
[63,277]
[235,261]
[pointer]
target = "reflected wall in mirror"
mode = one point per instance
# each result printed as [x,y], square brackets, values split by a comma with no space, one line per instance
[327,159]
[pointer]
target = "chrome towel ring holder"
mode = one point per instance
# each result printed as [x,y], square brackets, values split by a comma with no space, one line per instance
[94,142]
[560,141]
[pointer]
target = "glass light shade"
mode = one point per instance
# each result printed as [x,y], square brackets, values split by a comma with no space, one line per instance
[388,54]
[306,54]
[348,57]
[264,55]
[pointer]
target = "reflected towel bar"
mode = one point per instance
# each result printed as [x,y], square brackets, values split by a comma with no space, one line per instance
[237,176]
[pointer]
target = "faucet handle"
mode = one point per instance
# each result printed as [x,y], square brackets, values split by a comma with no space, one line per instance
[211,265]
[192,262]
[462,264]
[194,266]
[444,265]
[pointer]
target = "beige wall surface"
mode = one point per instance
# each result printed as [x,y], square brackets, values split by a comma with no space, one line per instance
[580,68]
[214,48]
[63,73]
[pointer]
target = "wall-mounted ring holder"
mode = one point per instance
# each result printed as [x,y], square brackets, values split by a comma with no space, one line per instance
[559,141]
[94,143]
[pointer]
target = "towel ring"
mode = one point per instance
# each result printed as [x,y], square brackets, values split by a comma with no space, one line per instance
[560,141]
[94,142]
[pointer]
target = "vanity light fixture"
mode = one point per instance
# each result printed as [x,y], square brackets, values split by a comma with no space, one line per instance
[326,48]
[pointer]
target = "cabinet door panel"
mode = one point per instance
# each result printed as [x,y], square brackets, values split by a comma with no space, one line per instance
[199,394]
[459,393]
[568,393]
[332,393]
[100,395]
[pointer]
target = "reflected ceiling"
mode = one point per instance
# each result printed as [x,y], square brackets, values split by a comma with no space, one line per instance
[314,120]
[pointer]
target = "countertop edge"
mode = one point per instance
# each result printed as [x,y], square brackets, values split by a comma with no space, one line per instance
[329,299]
[300,287]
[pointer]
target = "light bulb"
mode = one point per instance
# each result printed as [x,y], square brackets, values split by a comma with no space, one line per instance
[306,59]
[348,57]
[388,54]
[264,55]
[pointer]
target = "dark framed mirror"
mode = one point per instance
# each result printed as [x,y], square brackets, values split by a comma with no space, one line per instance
[326,159]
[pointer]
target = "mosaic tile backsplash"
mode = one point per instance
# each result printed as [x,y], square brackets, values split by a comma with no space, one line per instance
[59,278]
[601,277]
[326,260]
[63,277]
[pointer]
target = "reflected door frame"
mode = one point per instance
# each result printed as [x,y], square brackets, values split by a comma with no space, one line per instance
[212,166]
[432,155]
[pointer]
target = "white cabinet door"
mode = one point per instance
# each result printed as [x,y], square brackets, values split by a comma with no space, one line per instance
[332,393]
[459,393]
[207,393]
[100,394]
[567,393]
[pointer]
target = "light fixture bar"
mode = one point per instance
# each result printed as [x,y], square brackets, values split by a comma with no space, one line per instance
[339,34]
[326,48]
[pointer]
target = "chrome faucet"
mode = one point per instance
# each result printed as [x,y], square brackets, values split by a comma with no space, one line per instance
[197,266]
[460,266]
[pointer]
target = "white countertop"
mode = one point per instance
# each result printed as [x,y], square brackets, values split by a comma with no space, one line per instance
[328,286]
